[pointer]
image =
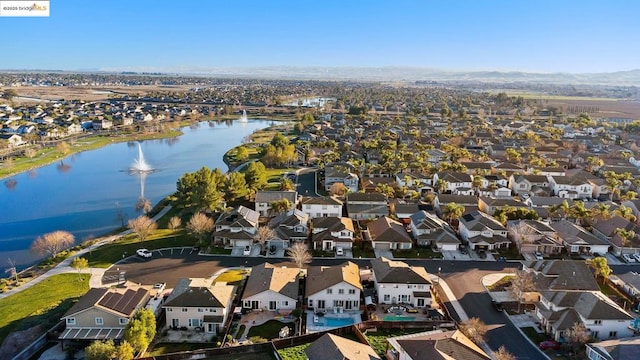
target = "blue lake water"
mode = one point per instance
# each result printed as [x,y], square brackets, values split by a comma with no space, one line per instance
[83,193]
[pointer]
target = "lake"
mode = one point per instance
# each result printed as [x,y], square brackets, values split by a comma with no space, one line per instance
[84,193]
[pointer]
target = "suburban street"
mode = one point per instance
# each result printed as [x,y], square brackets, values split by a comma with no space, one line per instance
[307,182]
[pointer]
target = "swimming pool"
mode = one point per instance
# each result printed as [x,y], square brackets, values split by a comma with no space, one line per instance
[335,322]
[398,318]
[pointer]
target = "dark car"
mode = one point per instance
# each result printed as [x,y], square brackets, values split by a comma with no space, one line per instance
[496,305]
[549,344]
[272,249]
[482,254]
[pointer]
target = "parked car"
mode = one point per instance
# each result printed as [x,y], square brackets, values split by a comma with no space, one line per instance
[144,253]
[246,251]
[159,287]
[339,251]
[497,305]
[628,258]
[636,256]
[538,255]
[549,344]
[272,249]
[482,254]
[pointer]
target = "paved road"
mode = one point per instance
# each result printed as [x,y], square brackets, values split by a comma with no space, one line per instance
[307,182]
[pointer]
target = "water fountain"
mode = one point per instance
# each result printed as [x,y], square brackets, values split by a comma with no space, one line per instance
[139,165]
[243,117]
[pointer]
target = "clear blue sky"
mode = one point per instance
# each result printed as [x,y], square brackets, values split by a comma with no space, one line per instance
[526,35]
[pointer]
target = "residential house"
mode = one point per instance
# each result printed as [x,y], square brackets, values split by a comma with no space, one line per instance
[365,206]
[341,173]
[13,140]
[482,232]
[322,206]
[102,124]
[561,275]
[386,233]
[614,349]
[489,205]
[629,282]
[271,287]
[199,304]
[398,283]
[103,314]
[291,226]
[436,345]
[334,347]
[403,208]
[333,287]
[329,233]
[451,182]
[470,202]
[571,187]
[429,230]
[558,311]
[577,240]
[522,184]
[607,230]
[265,198]
[534,235]
[236,227]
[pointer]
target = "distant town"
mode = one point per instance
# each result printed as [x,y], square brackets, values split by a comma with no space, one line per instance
[370,220]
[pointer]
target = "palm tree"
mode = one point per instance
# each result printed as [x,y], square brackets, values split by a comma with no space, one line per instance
[601,211]
[625,212]
[579,212]
[452,211]
[625,237]
[555,209]
[279,206]
[613,183]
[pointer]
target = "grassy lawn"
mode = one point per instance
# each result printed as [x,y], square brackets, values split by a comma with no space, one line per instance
[43,303]
[108,254]
[533,335]
[363,250]
[168,348]
[422,253]
[269,330]
[501,284]
[510,253]
[321,253]
[294,352]
[231,276]
[378,339]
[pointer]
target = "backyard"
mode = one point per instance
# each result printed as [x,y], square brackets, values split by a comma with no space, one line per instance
[378,339]
[168,348]
[269,330]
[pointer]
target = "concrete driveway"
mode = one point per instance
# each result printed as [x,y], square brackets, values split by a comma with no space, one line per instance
[383,252]
[239,250]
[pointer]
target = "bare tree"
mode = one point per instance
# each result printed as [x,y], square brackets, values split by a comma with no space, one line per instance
[63,148]
[474,329]
[199,226]
[52,243]
[174,223]
[263,234]
[299,254]
[30,152]
[142,226]
[121,216]
[521,234]
[578,335]
[503,354]
[12,270]
[79,264]
[143,205]
[522,282]
[337,189]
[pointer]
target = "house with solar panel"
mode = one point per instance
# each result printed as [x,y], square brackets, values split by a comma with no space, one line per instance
[102,314]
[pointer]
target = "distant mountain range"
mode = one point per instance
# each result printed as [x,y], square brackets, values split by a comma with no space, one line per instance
[392,73]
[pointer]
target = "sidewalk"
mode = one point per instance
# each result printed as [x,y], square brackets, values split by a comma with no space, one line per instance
[65,266]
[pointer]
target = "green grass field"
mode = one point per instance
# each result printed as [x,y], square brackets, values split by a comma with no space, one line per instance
[378,339]
[43,303]
[269,330]
[294,352]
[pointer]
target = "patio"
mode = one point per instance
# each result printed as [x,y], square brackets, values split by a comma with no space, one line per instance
[257,318]
[331,320]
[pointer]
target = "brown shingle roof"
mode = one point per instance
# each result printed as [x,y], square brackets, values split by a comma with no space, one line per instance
[395,272]
[267,276]
[333,347]
[322,277]
[387,230]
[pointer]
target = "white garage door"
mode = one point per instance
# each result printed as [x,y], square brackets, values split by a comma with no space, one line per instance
[382,245]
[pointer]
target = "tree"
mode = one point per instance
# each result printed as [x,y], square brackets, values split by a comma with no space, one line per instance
[522,283]
[521,231]
[263,234]
[141,329]
[279,206]
[287,184]
[79,264]
[474,329]
[337,189]
[52,243]
[452,211]
[199,226]
[503,354]
[124,351]
[174,223]
[12,270]
[613,183]
[30,152]
[578,335]
[201,190]
[143,226]
[299,254]
[143,205]
[600,266]
[63,147]
[242,154]
[100,350]
[9,94]
[235,187]
[625,237]
[625,212]
[256,175]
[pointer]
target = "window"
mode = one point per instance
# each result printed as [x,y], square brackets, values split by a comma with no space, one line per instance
[597,322]
[123,321]
[71,321]
[310,302]
[194,322]
[613,334]
[200,310]
[285,303]
[329,291]
[212,310]
[185,309]
[99,321]
[169,309]
[352,291]
[340,291]
[387,297]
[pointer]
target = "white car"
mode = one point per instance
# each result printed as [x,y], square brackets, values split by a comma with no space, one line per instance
[628,258]
[538,255]
[246,251]
[636,256]
[339,251]
[144,253]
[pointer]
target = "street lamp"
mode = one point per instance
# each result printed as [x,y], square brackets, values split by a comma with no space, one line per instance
[439,271]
